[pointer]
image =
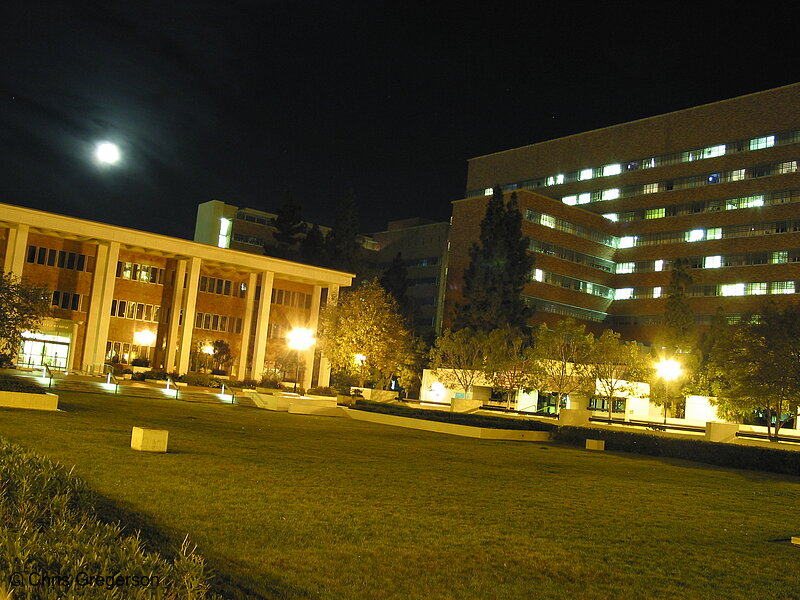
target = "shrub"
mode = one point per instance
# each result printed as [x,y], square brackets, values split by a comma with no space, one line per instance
[321,391]
[140,362]
[9,383]
[270,383]
[200,380]
[48,524]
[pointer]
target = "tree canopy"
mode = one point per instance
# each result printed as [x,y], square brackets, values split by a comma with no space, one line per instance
[365,323]
[458,358]
[289,225]
[500,265]
[23,307]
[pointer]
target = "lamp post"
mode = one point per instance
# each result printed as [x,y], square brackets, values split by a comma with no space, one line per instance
[668,370]
[361,361]
[208,350]
[299,339]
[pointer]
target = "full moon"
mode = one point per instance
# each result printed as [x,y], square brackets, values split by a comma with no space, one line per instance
[107,153]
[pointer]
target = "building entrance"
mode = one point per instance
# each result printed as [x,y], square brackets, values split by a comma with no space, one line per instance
[39,350]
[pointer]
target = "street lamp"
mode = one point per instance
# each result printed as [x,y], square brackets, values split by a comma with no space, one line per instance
[361,361]
[208,350]
[299,339]
[668,370]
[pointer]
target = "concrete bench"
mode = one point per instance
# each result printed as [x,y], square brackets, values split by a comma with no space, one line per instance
[595,444]
[149,440]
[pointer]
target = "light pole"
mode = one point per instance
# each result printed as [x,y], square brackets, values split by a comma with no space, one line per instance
[299,339]
[668,370]
[361,361]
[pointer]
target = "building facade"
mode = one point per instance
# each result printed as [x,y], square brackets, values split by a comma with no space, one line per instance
[607,212]
[120,294]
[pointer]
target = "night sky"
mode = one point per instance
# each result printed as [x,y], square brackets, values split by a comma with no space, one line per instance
[243,101]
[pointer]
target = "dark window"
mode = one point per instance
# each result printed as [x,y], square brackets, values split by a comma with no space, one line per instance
[51,257]
[81,262]
[31,254]
[227,288]
[42,257]
[56,298]
[71,260]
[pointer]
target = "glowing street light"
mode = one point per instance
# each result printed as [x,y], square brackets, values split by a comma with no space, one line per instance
[361,361]
[299,339]
[107,153]
[668,370]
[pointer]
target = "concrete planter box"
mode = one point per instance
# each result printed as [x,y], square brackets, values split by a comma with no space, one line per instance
[29,401]
[721,432]
[576,417]
[596,445]
[318,405]
[149,440]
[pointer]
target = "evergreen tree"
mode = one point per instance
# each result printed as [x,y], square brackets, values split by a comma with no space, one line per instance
[677,334]
[499,268]
[341,245]
[395,281]
[289,225]
[312,247]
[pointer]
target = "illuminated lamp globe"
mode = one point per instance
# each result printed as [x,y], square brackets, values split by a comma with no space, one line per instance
[144,337]
[300,339]
[668,369]
[107,153]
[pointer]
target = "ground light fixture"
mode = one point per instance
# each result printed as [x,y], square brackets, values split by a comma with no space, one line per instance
[299,339]
[667,369]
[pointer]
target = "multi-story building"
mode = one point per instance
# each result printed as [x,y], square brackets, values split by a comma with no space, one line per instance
[608,211]
[422,245]
[120,294]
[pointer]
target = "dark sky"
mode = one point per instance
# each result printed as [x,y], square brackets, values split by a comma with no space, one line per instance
[241,101]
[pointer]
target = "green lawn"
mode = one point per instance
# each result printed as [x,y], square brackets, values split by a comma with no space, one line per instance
[292,506]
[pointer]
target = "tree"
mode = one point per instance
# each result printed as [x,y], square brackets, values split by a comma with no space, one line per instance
[510,362]
[395,281]
[312,247]
[341,244]
[616,366]
[289,226]
[222,355]
[563,359]
[458,358]
[364,330]
[23,307]
[499,268]
[761,359]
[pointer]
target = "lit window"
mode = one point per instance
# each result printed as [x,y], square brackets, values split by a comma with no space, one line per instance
[782,287]
[555,180]
[715,233]
[762,142]
[611,194]
[655,213]
[609,170]
[628,241]
[648,163]
[787,167]
[737,175]
[712,262]
[780,257]
[571,200]
[658,265]
[584,198]
[732,289]
[713,151]
[538,275]
[548,221]
[488,192]
[623,294]
[224,239]
[612,217]
[586,174]
[657,292]
[695,235]
[625,267]
[757,289]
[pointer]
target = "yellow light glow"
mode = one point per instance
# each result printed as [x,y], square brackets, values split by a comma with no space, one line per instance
[144,338]
[208,349]
[668,369]
[360,359]
[300,339]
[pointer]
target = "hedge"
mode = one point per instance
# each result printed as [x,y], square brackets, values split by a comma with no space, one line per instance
[53,546]
[757,458]
[10,383]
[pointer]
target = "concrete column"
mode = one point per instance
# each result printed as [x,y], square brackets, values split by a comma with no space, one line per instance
[188,306]
[324,379]
[72,349]
[313,324]
[262,320]
[99,315]
[16,248]
[247,324]
[174,318]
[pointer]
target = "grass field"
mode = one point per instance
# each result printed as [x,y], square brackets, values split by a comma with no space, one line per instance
[286,506]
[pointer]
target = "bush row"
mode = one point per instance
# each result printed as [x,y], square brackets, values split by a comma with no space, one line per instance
[51,542]
[757,458]
[9,383]
[472,420]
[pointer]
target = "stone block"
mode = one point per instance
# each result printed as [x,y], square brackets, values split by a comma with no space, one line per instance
[721,432]
[796,540]
[576,417]
[149,440]
[595,445]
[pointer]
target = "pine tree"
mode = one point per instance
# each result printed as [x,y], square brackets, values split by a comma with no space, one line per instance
[499,268]
[288,224]
[312,247]
[395,281]
[341,245]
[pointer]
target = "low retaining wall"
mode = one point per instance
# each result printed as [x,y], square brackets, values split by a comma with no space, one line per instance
[450,428]
[30,401]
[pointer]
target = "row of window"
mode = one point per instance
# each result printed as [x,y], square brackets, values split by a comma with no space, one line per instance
[579,285]
[571,255]
[289,298]
[57,258]
[67,300]
[712,233]
[125,352]
[746,145]
[213,322]
[568,227]
[224,287]
[252,240]
[144,273]
[758,288]
[682,183]
[565,310]
[253,218]
[714,262]
[138,311]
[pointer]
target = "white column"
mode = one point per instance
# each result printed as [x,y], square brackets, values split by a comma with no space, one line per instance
[313,324]
[247,324]
[262,320]
[188,306]
[16,247]
[174,318]
[99,315]
[324,379]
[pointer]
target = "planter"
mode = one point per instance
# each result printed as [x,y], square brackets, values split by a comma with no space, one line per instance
[149,440]
[29,401]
